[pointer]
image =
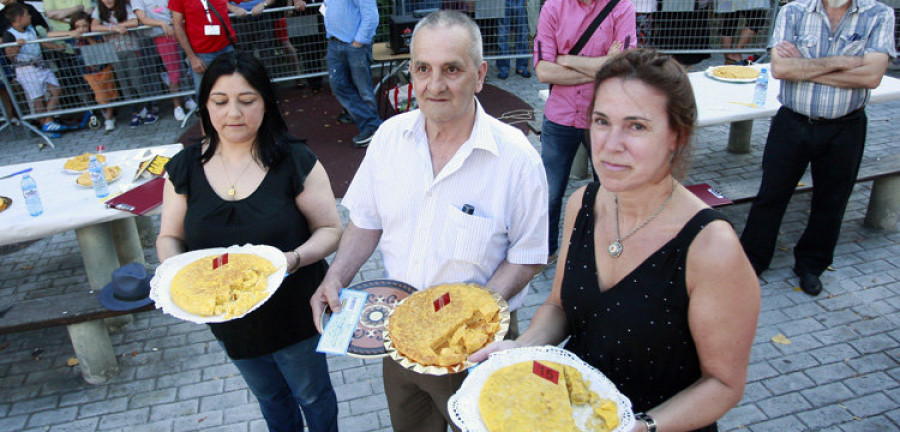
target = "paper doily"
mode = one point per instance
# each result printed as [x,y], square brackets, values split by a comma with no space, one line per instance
[162,279]
[463,406]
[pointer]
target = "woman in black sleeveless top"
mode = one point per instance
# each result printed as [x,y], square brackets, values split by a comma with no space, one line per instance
[653,289]
[250,181]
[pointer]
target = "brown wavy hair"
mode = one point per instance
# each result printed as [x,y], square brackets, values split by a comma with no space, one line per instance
[663,73]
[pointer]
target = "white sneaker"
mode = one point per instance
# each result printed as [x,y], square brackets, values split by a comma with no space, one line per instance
[110,125]
[190,104]
[179,113]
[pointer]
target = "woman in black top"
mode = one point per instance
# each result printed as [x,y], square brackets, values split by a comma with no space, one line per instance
[654,289]
[250,181]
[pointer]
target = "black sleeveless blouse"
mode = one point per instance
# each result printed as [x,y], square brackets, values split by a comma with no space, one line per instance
[636,332]
[269,216]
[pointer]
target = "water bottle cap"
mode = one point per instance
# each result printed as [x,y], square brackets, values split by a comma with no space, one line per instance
[763,70]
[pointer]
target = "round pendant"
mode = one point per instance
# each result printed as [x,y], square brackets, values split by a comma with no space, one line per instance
[615,249]
[231,192]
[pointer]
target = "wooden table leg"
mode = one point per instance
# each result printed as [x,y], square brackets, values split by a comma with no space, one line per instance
[884,204]
[739,136]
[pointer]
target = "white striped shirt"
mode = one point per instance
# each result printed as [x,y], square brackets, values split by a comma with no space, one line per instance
[867,27]
[426,238]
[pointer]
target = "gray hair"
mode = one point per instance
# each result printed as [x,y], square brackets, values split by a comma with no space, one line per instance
[450,18]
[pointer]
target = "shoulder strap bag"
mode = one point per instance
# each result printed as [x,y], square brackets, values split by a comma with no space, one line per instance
[588,32]
[232,39]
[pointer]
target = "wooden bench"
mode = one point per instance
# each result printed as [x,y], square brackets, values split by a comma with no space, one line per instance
[884,202]
[85,319]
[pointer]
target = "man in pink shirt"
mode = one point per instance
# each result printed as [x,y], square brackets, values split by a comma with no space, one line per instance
[565,126]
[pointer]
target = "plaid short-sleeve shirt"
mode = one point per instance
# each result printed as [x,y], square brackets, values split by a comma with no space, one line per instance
[867,27]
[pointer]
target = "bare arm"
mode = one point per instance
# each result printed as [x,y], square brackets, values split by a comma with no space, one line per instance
[868,75]
[553,73]
[197,63]
[549,325]
[788,64]
[145,20]
[170,241]
[588,65]
[316,203]
[357,245]
[63,14]
[235,9]
[722,315]
[12,51]
[510,278]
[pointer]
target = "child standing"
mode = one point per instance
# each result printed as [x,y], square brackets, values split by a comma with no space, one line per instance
[99,77]
[156,13]
[37,80]
[116,16]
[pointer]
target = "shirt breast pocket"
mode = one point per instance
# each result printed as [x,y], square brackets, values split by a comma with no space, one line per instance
[468,235]
[807,45]
[852,45]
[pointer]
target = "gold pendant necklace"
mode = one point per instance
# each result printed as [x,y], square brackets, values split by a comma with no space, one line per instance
[615,248]
[231,190]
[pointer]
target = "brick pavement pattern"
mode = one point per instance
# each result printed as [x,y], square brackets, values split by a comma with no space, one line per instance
[840,372]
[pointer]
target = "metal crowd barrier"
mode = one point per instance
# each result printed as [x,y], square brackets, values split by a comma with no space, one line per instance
[293,46]
[95,73]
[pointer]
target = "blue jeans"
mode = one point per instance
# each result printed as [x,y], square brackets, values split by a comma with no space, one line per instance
[207,58]
[558,147]
[350,77]
[292,376]
[517,18]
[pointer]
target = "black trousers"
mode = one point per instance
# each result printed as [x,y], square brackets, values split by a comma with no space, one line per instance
[834,149]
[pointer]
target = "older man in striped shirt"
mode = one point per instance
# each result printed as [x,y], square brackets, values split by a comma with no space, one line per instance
[828,54]
[452,194]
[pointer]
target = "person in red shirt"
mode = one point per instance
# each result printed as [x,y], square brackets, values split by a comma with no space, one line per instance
[203,30]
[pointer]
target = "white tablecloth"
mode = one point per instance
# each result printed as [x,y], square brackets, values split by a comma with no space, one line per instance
[67,205]
[721,102]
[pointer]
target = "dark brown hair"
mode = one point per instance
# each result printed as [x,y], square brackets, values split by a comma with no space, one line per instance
[662,73]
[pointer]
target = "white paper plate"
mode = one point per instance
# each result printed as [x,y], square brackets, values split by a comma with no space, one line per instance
[161,283]
[463,406]
[709,73]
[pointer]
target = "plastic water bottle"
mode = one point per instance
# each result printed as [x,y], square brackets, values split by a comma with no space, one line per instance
[32,197]
[762,84]
[98,179]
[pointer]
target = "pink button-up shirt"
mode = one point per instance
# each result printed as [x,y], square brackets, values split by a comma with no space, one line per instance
[561,24]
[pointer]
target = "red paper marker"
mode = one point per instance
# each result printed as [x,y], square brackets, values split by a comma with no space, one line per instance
[220,261]
[546,372]
[442,301]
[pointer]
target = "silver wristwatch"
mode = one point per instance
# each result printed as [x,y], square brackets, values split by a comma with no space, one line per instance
[648,421]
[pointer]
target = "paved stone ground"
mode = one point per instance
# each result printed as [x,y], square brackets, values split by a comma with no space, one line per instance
[839,373]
